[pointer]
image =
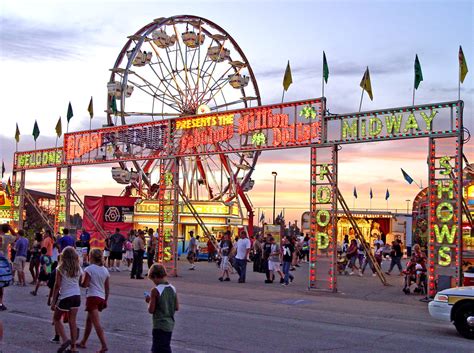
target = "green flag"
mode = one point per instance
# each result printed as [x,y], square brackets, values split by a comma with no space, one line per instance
[70,114]
[59,128]
[113,105]
[287,79]
[17,134]
[366,85]
[36,131]
[418,73]
[462,65]
[90,109]
[325,68]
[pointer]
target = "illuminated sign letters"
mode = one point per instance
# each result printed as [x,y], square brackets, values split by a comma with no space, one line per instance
[39,159]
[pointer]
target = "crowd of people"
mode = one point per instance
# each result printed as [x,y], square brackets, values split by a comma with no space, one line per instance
[56,263]
[63,264]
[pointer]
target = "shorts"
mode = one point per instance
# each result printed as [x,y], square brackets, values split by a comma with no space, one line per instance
[191,255]
[43,276]
[273,265]
[69,303]
[95,303]
[225,263]
[115,255]
[19,263]
[129,254]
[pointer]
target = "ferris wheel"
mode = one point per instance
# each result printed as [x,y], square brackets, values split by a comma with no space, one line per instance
[181,66]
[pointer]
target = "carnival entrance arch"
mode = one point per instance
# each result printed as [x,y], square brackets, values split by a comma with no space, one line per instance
[300,124]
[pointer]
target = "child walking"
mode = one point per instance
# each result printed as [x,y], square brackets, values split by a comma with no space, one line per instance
[96,280]
[162,304]
[45,270]
[67,297]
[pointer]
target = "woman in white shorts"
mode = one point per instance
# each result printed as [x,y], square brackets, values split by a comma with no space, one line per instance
[274,260]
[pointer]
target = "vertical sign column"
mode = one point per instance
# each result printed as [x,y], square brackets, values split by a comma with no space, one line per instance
[445,212]
[63,185]
[167,216]
[323,216]
[17,198]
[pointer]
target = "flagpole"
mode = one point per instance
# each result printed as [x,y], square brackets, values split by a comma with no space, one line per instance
[283,96]
[361,97]
[459,83]
[413,102]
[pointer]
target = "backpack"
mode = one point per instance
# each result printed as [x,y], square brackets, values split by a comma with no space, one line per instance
[5,272]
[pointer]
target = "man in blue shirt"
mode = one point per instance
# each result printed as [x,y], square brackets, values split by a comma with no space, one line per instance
[21,248]
[66,240]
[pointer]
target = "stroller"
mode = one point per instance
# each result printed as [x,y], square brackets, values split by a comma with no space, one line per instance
[342,262]
[415,273]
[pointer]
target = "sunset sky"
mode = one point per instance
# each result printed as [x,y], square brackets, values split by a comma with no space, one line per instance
[53,52]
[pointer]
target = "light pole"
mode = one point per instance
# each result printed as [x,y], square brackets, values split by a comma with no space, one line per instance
[408,202]
[274,193]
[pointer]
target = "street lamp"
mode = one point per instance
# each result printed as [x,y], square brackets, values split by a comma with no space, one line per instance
[274,193]
[408,203]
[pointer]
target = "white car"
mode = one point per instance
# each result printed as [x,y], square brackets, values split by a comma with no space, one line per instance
[455,305]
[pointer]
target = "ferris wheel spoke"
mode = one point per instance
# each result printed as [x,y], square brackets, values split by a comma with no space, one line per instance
[172,103]
[166,87]
[217,86]
[177,77]
[184,62]
[171,73]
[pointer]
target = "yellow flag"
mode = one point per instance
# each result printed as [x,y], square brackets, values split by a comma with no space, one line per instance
[90,109]
[287,79]
[366,85]
[59,128]
[462,65]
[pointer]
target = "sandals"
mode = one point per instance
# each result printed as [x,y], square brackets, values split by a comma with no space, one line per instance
[62,348]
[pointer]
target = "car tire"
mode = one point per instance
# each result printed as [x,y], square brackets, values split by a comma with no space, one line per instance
[460,320]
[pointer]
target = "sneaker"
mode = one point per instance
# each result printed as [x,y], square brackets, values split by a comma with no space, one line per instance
[221,279]
[388,273]
[291,279]
[282,280]
[374,274]
[3,307]
[268,281]
[227,279]
[111,269]
[284,284]
[117,269]
[351,273]
[33,293]
[360,274]
[55,339]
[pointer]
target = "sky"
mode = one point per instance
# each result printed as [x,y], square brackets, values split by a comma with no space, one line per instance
[53,52]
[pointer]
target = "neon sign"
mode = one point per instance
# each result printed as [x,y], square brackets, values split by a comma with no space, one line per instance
[212,120]
[77,146]
[38,159]
[445,229]
[323,217]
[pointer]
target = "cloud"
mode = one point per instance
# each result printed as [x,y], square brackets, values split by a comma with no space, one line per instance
[28,41]
[336,68]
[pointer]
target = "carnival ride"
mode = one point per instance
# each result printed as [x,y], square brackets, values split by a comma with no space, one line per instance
[183,66]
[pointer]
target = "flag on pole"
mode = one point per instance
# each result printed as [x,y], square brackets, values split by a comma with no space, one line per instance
[371,194]
[70,114]
[8,188]
[418,73]
[462,65]
[355,192]
[59,128]
[387,195]
[90,109]
[36,131]
[407,177]
[287,79]
[3,169]
[325,68]
[366,85]
[113,105]
[262,217]
[17,134]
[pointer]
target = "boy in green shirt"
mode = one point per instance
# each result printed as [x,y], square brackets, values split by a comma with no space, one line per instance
[162,304]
